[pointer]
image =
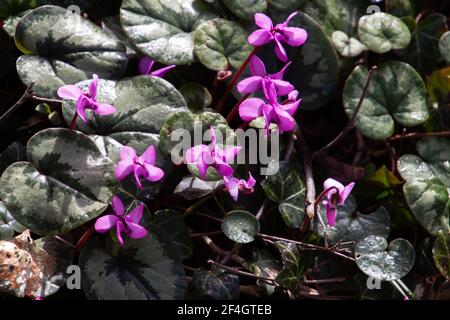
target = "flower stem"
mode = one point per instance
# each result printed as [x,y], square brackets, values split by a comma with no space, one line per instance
[350,124]
[236,108]
[233,80]
[74,121]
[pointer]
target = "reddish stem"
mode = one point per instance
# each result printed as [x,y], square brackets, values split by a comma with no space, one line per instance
[84,238]
[236,108]
[74,121]
[233,80]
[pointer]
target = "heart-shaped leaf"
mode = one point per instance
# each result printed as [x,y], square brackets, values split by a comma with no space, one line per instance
[66,183]
[352,225]
[441,253]
[347,47]
[265,264]
[423,52]
[427,183]
[34,269]
[145,269]
[444,46]
[292,271]
[382,32]
[163,29]
[380,261]
[240,226]
[336,15]
[408,106]
[246,9]
[221,44]
[192,188]
[216,284]
[197,96]
[64,48]
[172,223]
[287,188]
[8,224]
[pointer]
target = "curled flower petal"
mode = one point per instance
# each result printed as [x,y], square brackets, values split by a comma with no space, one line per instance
[149,155]
[331,183]
[70,92]
[224,169]
[263,21]
[127,153]
[290,108]
[249,85]
[280,52]
[135,215]
[135,231]
[120,228]
[288,20]
[285,121]
[106,223]
[260,37]
[280,74]
[82,103]
[146,65]
[162,72]
[118,206]
[104,109]
[283,87]
[257,67]
[331,215]
[93,86]
[295,36]
[346,192]
[153,173]
[232,185]
[251,109]
[123,169]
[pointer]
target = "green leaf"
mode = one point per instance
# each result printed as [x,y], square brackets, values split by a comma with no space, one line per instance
[66,183]
[378,260]
[284,5]
[197,96]
[441,253]
[382,32]
[292,271]
[427,183]
[336,15]
[221,44]
[264,264]
[12,7]
[8,224]
[246,9]
[444,46]
[381,109]
[347,47]
[145,269]
[240,226]
[34,269]
[423,52]
[172,223]
[216,284]
[192,188]
[163,29]
[64,48]
[287,188]
[351,225]
[438,85]
[401,8]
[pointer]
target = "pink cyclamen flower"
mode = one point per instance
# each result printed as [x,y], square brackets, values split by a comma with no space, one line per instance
[141,166]
[261,80]
[124,224]
[204,156]
[274,112]
[86,100]
[280,33]
[336,195]
[146,65]
[234,185]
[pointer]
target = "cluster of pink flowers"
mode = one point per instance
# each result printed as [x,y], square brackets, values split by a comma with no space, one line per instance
[272,85]
[212,156]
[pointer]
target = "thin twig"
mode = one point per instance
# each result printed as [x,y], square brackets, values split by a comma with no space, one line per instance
[40,99]
[417,135]
[218,250]
[26,95]
[201,234]
[239,272]
[350,124]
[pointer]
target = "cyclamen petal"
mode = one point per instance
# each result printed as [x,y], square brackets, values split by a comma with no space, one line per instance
[106,223]
[162,72]
[295,36]
[285,121]
[120,229]
[104,109]
[81,105]
[249,85]
[124,168]
[331,216]
[153,173]
[127,153]
[135,231]
[135,215]
[149,155]
[70,92]
[93,86]
[283,87]
[257,67]
[146,65]
[118,206]
[251,109]
[280,52]
[263,21]
[232,185]
[346,192]
[260,37]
